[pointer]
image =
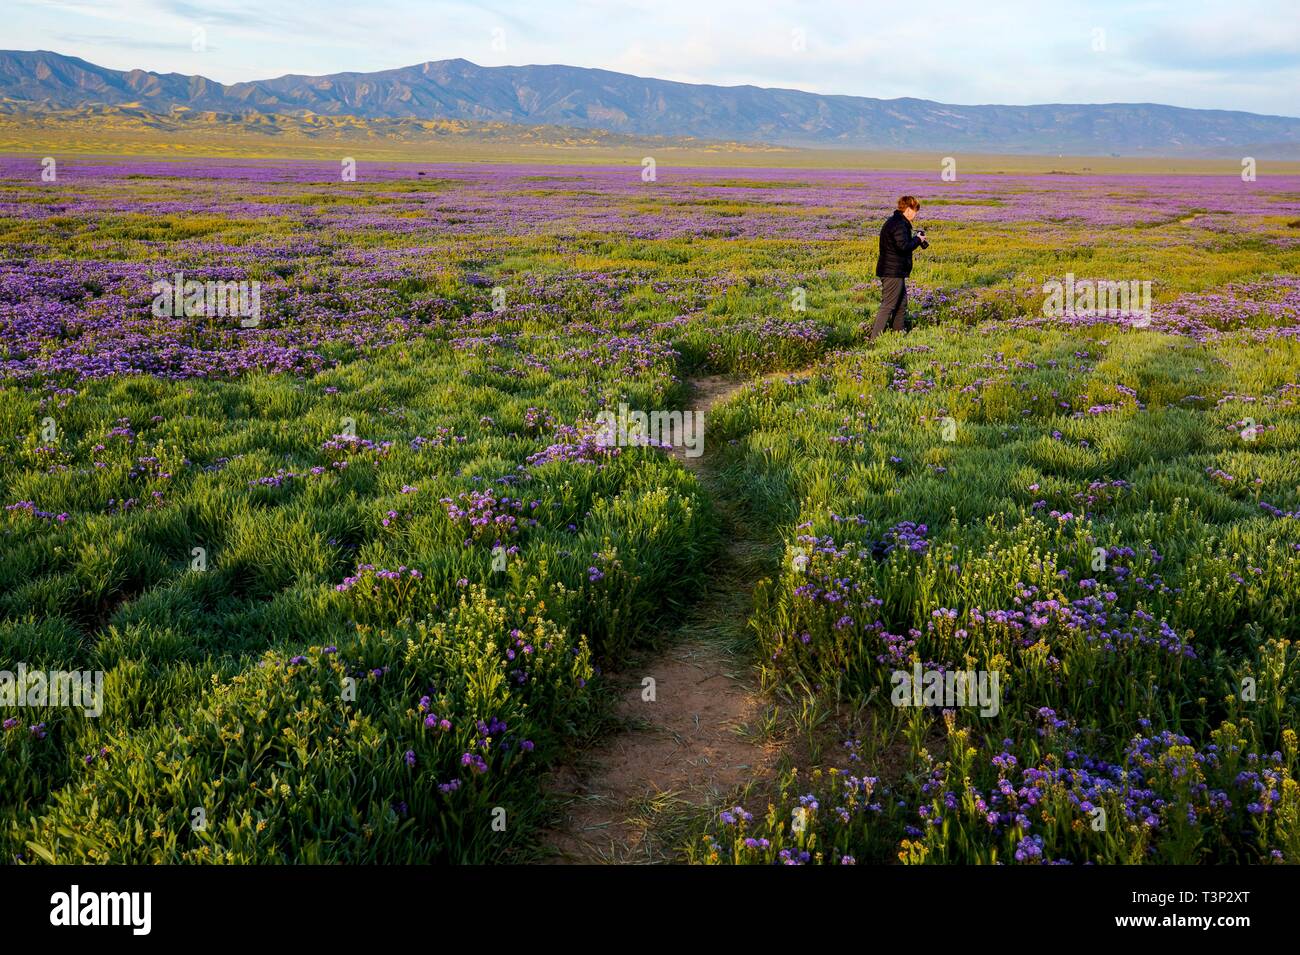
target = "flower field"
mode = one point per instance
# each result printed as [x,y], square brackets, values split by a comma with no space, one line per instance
[356,573]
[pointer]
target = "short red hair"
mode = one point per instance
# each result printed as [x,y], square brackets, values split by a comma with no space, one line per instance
[908,202]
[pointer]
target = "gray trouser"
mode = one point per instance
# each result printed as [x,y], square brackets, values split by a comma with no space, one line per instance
[893,305]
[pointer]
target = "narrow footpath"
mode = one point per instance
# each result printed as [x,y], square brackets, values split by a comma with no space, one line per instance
[698,741]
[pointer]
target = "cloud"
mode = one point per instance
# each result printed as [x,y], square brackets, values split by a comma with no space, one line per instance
[1198,48]
[1236,54]
[115,41]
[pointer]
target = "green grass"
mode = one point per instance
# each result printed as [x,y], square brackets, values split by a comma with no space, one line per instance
[248,686]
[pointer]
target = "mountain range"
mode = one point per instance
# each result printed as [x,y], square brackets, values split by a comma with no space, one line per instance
[593,99]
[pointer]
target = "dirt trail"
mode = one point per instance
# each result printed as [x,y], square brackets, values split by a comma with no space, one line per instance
[694,744]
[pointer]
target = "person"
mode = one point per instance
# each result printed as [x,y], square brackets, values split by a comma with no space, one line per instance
[894,264]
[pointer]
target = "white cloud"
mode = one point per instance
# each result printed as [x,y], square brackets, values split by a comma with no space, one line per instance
[1239,54]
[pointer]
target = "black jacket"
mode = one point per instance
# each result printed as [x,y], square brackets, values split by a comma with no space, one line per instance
[896,246]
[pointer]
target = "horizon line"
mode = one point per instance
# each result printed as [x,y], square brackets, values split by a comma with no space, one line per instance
[718,86]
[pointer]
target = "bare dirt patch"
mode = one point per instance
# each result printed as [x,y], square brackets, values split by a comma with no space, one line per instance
[685,750]
[692,746]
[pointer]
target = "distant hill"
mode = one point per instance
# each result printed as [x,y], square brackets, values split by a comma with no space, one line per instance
[17,117]
[589,99]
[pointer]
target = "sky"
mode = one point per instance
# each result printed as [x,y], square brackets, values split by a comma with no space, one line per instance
[1242,54]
